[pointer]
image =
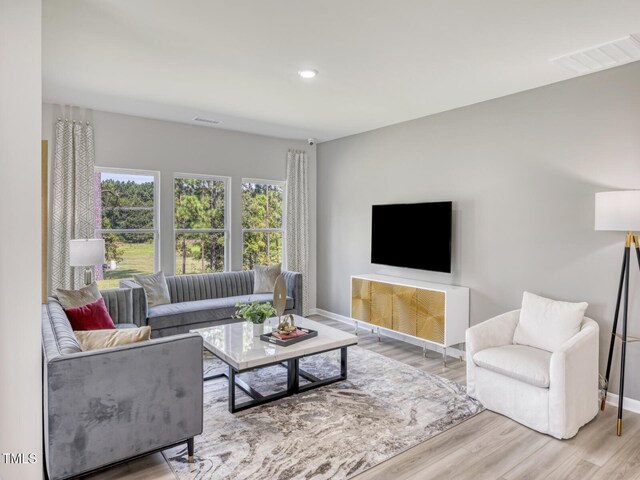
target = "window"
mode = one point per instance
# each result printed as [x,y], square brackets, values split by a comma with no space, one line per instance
[200,223]
[262,222]
[127,219]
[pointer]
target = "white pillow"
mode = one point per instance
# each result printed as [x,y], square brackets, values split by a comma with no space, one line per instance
[546,323]
[265,277]
[155,286]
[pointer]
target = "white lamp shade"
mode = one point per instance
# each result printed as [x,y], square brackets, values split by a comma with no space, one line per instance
[618,211]
[86,252]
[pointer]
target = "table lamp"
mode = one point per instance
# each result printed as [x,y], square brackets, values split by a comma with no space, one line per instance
[620,211]
[86,252]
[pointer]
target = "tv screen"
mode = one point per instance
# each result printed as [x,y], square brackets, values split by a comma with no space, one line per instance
[413,235]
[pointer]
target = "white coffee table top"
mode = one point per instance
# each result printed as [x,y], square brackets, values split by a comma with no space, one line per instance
[235,344]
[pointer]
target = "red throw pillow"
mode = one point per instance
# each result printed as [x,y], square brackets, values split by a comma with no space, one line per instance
[93,316]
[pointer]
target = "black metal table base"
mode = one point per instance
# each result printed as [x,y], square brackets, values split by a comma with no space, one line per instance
[294,373]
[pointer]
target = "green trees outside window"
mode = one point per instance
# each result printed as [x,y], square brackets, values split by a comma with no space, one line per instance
[200,224]
[125,217]
[262,223]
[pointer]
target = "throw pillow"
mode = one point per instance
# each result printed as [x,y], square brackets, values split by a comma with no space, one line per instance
[93,316]
[155,286]
[94,339]
[265,277]
[546,323]
[78,298]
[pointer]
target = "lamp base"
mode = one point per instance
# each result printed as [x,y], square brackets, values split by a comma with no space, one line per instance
[88,275]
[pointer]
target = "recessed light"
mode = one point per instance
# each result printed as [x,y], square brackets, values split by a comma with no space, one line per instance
[308,73]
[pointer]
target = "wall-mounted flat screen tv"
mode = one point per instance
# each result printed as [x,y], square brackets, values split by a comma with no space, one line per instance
[412,235]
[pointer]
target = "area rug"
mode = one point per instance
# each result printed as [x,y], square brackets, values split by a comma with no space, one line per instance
[337,431]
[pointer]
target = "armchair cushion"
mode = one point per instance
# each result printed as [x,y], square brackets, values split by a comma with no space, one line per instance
[546,323]
[526,364]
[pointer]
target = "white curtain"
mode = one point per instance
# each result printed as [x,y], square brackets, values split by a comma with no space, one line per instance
[297,228]
[73,201]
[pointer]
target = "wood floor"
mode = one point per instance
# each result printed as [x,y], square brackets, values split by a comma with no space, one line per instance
[488,446]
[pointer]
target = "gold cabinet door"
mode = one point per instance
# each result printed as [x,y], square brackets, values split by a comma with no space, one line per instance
[430,315]
[404,309]
[360,299]
[382,304]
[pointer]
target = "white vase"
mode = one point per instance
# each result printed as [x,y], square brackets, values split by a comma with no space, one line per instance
[258,329]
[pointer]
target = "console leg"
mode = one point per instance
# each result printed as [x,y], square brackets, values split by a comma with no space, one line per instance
[356,327]
[444,356]
[379,339]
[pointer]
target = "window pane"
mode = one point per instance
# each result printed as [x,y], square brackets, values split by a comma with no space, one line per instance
[261,248]
[199,253]
[199,203]
[127,254]
[262,205]
[124,201]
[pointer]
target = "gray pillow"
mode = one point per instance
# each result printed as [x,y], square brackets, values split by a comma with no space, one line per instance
[155,286]
[265,277]
[78,298]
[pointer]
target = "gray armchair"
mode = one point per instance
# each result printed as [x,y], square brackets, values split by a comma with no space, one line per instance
[106,406]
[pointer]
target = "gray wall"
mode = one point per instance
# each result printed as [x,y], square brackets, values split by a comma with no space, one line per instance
[20,194]
[132,142]
[522,172]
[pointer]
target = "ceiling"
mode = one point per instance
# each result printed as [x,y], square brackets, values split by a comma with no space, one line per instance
[380,62]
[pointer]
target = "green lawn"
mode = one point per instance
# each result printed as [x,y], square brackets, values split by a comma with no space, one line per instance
[137,258]
[193,265]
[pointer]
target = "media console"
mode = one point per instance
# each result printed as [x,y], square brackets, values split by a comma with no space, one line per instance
[434,313]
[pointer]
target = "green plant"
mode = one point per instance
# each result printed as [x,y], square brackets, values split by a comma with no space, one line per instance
[255,312]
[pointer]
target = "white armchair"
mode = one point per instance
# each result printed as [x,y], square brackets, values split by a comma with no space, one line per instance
[553,393]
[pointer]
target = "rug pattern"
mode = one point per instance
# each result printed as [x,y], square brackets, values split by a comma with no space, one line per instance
[384,408]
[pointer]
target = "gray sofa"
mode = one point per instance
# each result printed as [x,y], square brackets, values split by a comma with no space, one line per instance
[207,299]
[102,407]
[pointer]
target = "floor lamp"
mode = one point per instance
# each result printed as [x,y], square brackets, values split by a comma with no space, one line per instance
[620,211]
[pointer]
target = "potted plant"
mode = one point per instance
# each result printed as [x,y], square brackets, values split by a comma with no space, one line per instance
[255,313]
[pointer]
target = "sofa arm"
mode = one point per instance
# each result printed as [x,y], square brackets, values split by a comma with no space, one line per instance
[573,385]
[494,332]
[139,297]
[107,405]
[294,290]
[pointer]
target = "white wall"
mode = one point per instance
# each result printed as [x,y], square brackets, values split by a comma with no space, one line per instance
[133,142]
[20,353]
[522,172]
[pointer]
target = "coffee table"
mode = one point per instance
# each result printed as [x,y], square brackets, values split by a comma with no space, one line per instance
[236,346]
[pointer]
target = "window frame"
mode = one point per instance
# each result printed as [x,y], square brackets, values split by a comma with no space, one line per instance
[283,229]
[156,209]
[227,215]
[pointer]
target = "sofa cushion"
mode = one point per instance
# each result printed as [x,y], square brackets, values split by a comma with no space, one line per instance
[78,298]
[155,286]
[203,286]
[96,339]
[265,277]
[546,323]
[520,362]
[93,316]
[199,311]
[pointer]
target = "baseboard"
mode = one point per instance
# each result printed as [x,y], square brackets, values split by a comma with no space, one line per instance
[451,351]
[630,404]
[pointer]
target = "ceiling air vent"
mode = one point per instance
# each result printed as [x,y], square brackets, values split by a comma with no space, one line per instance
[608,55]
[207,120]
